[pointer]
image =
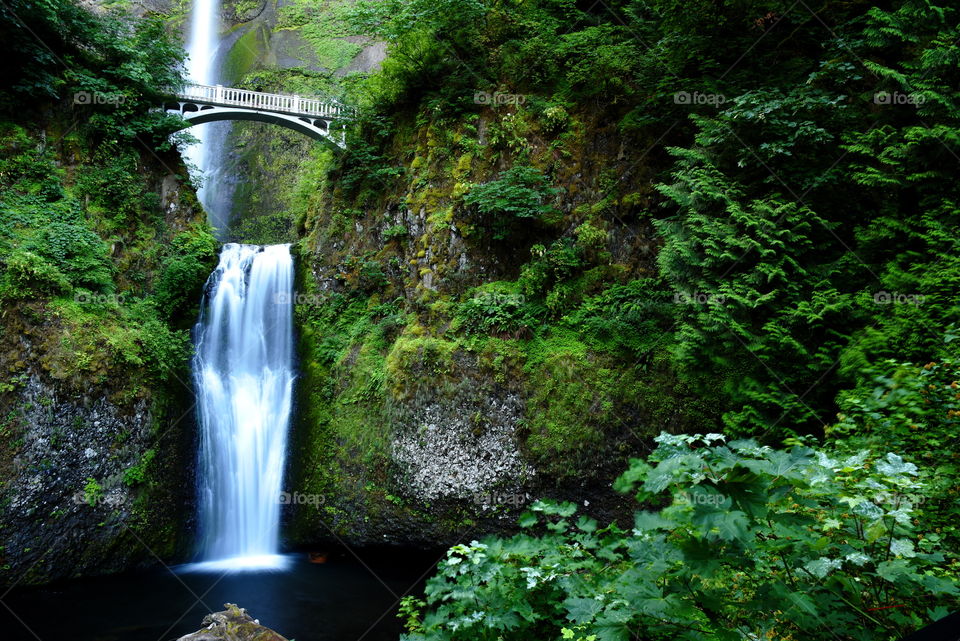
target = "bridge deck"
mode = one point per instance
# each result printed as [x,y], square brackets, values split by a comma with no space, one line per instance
[281,103]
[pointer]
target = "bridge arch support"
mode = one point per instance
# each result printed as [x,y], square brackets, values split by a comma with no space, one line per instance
[322,129]
[313,117]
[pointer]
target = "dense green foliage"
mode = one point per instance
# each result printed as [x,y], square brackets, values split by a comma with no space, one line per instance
[111,68]
[807,216]
[753,201]
[752,543]
[748,541]
[60,245]
[516,196]
[83,237]
[730,216]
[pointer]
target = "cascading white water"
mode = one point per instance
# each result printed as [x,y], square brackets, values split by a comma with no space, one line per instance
[201,50]
[202,47]
[208,154]
[243,371]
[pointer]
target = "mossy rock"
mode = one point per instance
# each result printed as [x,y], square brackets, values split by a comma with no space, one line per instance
[233,624]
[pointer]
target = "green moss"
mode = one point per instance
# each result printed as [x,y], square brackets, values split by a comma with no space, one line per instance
[89,265]
[502,358]
[245,53]
[418,360]
[334,53]
[324,27]
[464,165]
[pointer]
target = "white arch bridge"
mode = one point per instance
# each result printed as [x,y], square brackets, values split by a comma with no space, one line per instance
[320,120]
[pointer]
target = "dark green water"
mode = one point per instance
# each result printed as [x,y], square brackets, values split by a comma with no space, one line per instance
[344,599]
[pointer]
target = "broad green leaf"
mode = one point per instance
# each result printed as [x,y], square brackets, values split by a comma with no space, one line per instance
[586,524]
[939,585]
[581,610]
[902,547]
[822,567]
[894,571]
[857,558]
[527,519]
[868,510]
[875,531]
[894,465]
[646,520]
[727,525]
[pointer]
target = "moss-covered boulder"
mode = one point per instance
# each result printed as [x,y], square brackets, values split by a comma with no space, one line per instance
[233,624]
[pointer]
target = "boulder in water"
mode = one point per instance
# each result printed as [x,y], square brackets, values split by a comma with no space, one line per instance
[233,624]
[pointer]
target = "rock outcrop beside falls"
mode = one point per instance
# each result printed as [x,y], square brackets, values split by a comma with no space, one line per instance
[456,365]
[96,423]
[233,624]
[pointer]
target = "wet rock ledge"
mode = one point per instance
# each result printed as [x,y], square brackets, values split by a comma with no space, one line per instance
[233,624]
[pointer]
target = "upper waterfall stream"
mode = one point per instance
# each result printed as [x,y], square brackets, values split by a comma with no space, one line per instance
[202,44]
[244,371]
[209,155]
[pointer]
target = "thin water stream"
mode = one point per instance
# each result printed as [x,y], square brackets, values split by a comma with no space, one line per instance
[209,155]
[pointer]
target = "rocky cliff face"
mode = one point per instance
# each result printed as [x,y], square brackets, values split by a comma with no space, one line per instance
[453,373]
[285,47]
[93,485]
[96,421]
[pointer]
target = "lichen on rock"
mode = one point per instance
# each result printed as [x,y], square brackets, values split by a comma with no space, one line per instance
[461,449]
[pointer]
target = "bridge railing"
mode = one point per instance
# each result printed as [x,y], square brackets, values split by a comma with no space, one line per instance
[230,97]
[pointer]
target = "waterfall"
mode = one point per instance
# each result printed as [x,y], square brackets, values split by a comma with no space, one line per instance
[201,50]
[207,156]
[243,372]
[204,37]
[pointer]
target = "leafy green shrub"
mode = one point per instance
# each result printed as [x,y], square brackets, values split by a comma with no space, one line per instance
[519,194]
[138,473]
[905,406]
[26,274]
[185,270]
[132,64]
[363,167]
[363,274]
[57,49]
[546,276]
[497,308]
[24,168]
[396,231]
[112,183]
[751,542]
[914,409]
[632,318]
[78,252]
[800,245]
[166,350]
[422,36]
[770,304]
